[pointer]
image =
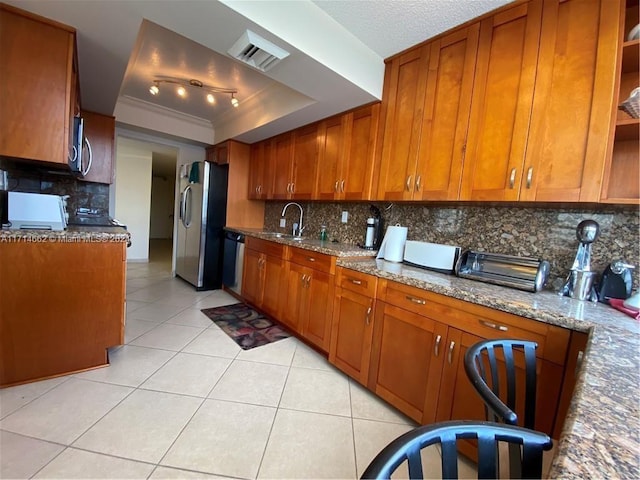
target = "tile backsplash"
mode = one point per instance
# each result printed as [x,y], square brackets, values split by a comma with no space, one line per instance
[24,178]
[548,233]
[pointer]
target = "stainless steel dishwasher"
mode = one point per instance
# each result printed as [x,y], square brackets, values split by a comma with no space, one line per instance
[233,261]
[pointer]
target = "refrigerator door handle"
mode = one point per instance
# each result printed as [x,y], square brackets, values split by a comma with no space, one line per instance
[186,220]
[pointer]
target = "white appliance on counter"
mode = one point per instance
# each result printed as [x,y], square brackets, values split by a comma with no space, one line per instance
[36,211]
[432,256]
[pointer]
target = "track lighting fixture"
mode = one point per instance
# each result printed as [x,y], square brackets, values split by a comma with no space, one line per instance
[154,89]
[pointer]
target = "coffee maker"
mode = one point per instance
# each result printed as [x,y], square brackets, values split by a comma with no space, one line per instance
[372,242]
[616,282]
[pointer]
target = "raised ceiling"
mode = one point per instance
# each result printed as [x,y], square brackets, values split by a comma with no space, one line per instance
[337,50]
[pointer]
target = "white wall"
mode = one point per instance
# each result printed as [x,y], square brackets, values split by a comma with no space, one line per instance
[133,194]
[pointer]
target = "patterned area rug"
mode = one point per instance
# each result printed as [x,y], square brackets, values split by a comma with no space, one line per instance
[248,328]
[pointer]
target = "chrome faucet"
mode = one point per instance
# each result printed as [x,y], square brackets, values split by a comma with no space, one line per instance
[297,227]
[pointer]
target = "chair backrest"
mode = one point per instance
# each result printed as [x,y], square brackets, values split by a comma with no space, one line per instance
[408,447]
[488,352]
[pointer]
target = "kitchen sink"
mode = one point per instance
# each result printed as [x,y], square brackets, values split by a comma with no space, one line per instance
[285,236]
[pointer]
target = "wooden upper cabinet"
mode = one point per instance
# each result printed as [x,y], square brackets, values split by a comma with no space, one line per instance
[360,146]
[426,105]
[502,100]
[100,130]
[347,155]
[305,160]
[331,138]
[405,83]
[446,115]
[622,171]
[574,91]
[260,171]
[37,89]
[281,165]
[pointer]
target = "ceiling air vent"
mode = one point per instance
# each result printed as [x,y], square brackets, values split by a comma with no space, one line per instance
[256,51]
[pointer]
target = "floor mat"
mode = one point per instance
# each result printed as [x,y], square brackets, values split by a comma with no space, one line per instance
[247,327]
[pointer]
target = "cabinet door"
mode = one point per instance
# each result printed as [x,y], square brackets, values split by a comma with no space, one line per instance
[100,130]
[359,160]
[406,361]
[316,308]
[252,276]
[459,400]
[295,278]
[622,170]
[351,334]
[572,103]
[445,120]
[501,105]
[281,164]
[305,161]
[402,104]
[260,172]
[274,283]
[331,138]
[36,95]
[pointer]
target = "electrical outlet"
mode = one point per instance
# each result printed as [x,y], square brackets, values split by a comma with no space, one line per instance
[345,217]
[283,222]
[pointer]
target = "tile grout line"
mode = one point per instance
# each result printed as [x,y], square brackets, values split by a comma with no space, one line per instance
[284,386]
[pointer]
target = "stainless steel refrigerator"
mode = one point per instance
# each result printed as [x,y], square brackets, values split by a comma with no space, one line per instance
[202,216]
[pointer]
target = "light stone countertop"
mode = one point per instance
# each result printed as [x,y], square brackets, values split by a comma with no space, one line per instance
[601,435]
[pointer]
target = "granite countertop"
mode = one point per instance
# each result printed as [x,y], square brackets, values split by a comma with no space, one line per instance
[308,243]
[601,435]
[70,235]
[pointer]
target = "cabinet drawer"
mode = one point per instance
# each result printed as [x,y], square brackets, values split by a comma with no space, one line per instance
[407,297]
[357,282]
[482,321]
[311,259]
[265,246]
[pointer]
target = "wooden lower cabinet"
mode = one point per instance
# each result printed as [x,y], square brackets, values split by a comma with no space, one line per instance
[61,306]
[309,304]
[459,400]
[406,361]
[264,271]
[352,333]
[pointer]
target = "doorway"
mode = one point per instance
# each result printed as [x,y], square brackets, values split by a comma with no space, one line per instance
[163,181]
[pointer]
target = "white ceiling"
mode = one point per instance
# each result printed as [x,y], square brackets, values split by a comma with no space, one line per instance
[336,62]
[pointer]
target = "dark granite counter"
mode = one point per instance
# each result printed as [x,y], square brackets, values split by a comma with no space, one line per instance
[72,234]
[601,435]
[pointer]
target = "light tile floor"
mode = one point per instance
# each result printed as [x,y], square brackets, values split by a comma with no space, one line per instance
[182,400]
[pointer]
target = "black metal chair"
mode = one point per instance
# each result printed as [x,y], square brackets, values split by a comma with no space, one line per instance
[483,370]
[408,447]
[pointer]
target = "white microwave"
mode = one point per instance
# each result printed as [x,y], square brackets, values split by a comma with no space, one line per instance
[80,155]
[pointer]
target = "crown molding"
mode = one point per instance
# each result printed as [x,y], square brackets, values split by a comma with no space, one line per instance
[160,110]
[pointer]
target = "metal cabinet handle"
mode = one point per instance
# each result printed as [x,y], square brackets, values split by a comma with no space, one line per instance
[311,259]
[418,178]
[495,326]
[408,185]
[342,186]
[335,187]
[419,301]
[578,363]
[303,280]
[308,281]
[436,346]
[452,345]
[367,318]
[529,176]
[293,187]
[355,282]
[512,178]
